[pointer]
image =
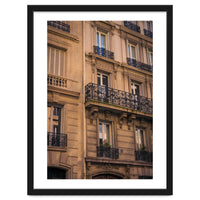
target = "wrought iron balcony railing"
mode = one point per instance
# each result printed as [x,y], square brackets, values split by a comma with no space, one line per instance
[117,97]
[103,52]
[139,65]
[132,26]
[107,152]
[56,140]
[59,25]
[144,156]
[148,33]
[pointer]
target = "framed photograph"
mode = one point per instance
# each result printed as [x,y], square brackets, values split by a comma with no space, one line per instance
[100,100]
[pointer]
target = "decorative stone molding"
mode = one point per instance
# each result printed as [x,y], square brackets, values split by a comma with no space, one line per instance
[93,113]
[88,165]
[130,120]
[93,64]
[121,119]
[63,34]
[107,115]
[115,67]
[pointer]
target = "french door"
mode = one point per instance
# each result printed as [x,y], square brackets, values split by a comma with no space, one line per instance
[135,91]
[102,84]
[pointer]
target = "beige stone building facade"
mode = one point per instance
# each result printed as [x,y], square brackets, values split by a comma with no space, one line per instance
[100,100]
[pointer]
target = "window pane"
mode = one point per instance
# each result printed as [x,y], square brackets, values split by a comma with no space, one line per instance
[105,80]
[103,41]
[133,52]
[148,25]
[100,127]
[150,57]
[108,133]
[56,58]
[62,57]
[104,131]
[48,59]
[137,139]
[129,51]
[56,66]
[98,39]
[98,79]
[137,92]
[52,60]
[100,131]
[142,138]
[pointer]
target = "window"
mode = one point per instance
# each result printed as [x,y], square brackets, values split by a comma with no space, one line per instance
[102,84]
[131,59]
[140,144]
[102,79]
[132,25]
[150,57]
[102,46]
[132,51]
[135,88]
[142,150]
[56,61]
[54,129]
[148,29]
[149,25]
[135,91]
[105,147]
[54,119]
[104,134]
[101,40]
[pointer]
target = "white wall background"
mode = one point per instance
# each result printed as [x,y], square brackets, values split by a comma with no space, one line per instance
[13,76]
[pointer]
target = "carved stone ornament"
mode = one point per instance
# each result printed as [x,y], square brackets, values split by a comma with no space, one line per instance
[93,112]
[121,119]
[88,166]
[107,115]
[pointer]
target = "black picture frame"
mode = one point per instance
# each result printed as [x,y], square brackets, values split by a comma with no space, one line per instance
[169,140]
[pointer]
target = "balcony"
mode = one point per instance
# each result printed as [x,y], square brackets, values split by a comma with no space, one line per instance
[56,81]
[144,156]
[56,140]
[63,85]
[107,152]
[132,26]
[148,33]
[59,25]
[103,52]
[107,95]
[139,65]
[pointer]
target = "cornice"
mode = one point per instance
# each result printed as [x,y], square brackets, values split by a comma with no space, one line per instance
[136,34]
[63,34]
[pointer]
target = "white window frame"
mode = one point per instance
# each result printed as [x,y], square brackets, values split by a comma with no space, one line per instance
[106,36]
[101,74]
[133,83]
[130,53]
